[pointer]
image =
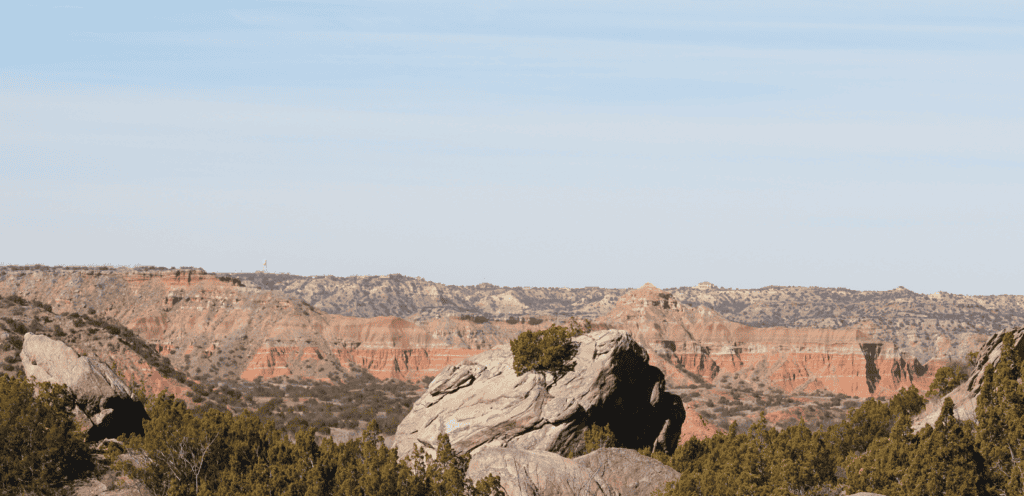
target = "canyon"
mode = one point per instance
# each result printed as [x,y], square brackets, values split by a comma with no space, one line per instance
[927,326]
[219,325]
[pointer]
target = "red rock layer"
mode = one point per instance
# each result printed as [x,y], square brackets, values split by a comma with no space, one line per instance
[696,427]
[205,324]
[693,344]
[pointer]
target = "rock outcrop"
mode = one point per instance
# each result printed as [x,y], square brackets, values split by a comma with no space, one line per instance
[104,404]
[965,396]
[537,473]
[628,472]
[481,402]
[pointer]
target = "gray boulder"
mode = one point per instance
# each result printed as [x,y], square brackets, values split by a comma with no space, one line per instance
[481,402]
[628,472]
[537,473]
[104,404]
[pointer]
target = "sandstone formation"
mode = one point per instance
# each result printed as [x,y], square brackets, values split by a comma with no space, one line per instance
[965,395]
[481,402]
[628,472]
[537,473]
[104,403]
[695,427]
[212,325]
[220,327]
[701,345]
[927,326]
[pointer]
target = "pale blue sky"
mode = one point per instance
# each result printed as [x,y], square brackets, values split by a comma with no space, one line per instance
[857,144]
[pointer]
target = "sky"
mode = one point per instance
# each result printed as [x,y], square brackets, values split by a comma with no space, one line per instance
[857,144]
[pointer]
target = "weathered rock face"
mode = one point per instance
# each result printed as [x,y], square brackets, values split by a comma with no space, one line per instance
[104,403]
[698,344]
[965,396]
[209,325]
[925,325]
[481,402]
[628,472]
[537,473]
[205,324]
[607,471]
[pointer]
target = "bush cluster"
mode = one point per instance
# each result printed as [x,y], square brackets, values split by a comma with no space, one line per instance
[212,452]
[947,379]
[549,350]
[41,448]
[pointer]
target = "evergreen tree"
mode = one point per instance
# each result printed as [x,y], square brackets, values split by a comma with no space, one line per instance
[945,462]
[947,379]
[881,468]
[41,448]
[1000,413]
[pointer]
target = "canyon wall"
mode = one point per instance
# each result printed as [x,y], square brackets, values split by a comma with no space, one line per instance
[937,325]
[209,325]
[218,326]
[697,344]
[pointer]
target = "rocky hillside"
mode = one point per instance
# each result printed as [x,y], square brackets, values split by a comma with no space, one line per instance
[211,326]
[926,326]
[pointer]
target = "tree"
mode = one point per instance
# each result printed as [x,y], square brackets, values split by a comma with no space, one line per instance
[1000,414]
[41,448]
[181,446]
[597,437]
[881,468]
[947,379]
[945,461]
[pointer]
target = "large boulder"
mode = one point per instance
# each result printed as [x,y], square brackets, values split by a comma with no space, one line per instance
[537,473]
[628,472]
[104,403]
[482,403]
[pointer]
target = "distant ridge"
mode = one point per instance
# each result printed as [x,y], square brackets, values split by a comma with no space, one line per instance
[928,326]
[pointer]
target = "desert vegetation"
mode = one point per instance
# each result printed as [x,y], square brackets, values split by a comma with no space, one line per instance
[549,350]
[212,452]
[41,448]
[873,449]
[209,450]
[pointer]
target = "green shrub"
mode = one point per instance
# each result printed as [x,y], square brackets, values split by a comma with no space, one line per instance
[597,437]
[211,452]
[41,449]
[947,379]
[550,350]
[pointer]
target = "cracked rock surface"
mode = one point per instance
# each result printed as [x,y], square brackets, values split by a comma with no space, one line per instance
[482,403]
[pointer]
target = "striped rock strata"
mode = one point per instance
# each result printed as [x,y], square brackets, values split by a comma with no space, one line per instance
[211,325]
[696,344]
